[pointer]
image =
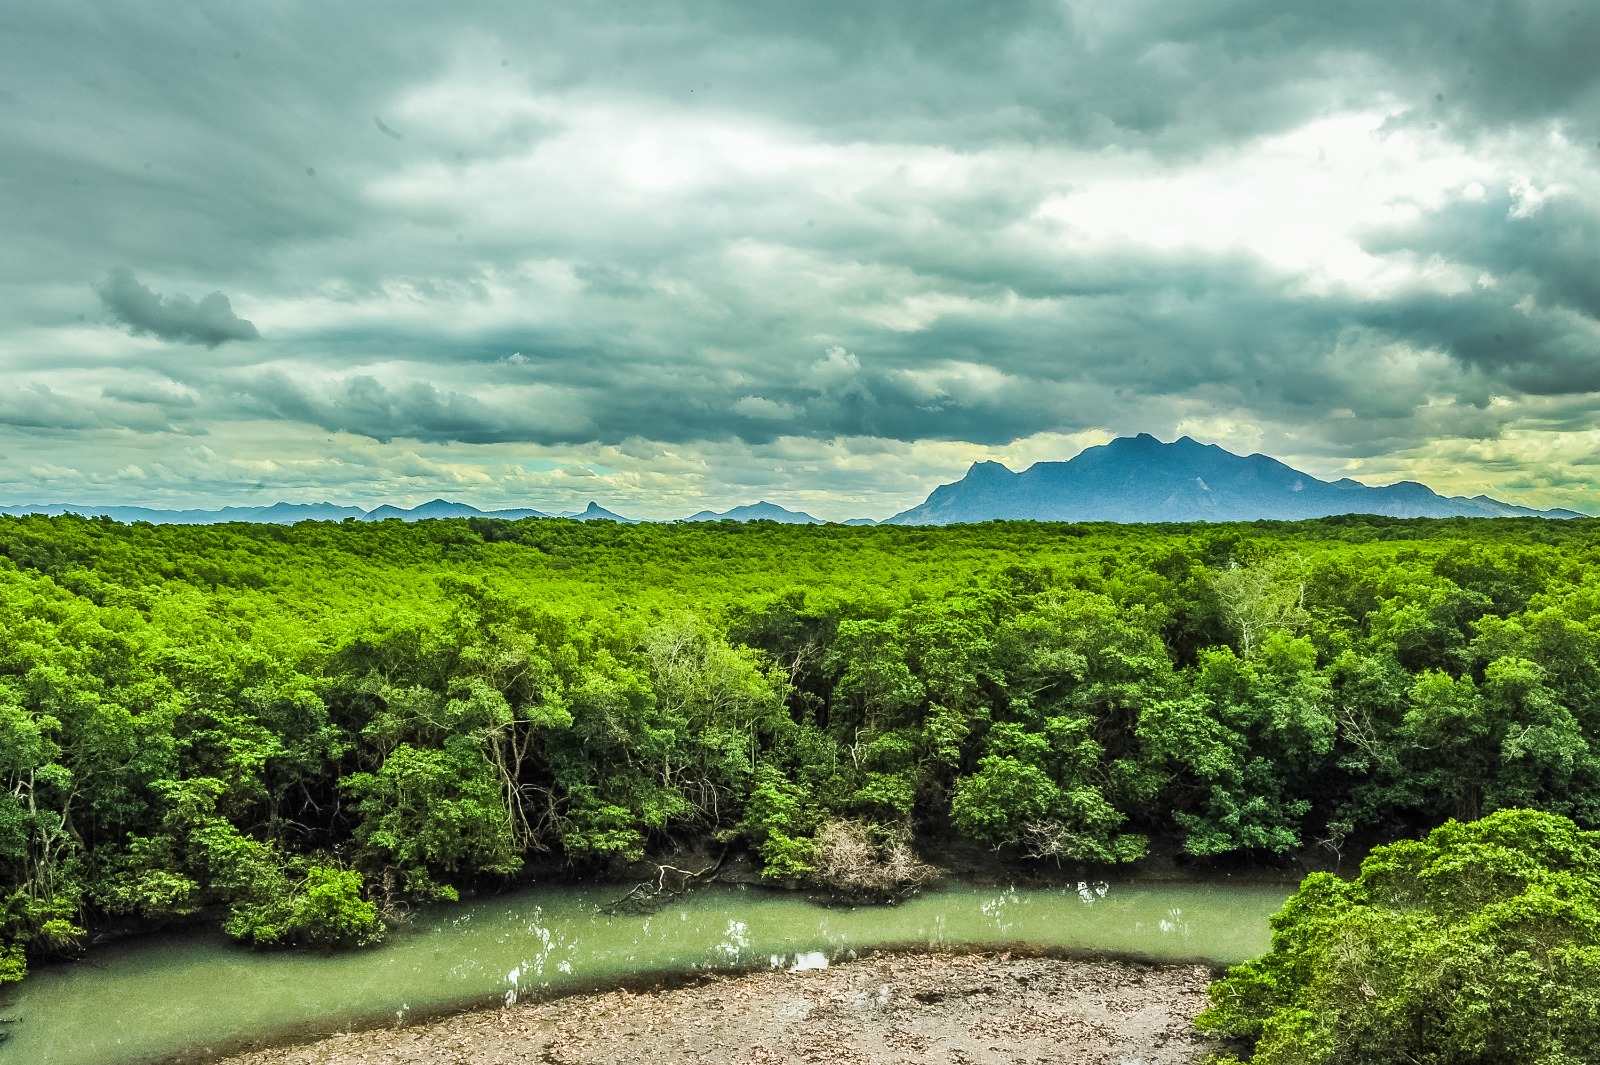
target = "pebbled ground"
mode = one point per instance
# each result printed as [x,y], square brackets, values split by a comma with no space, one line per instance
[885,1010]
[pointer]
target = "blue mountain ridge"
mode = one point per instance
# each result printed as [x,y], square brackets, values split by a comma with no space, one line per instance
[762,511]
[1141,479]
[289,513]
[1130,479]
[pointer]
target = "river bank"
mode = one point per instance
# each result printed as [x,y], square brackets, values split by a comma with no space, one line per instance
[881,1010]
[198,996]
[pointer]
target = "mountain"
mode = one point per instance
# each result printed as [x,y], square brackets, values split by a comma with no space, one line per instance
[595,512]
[287,513]
[1496,509]
[1141,479]
[276,514]
[434,508]
[762,511]
[443,508]
[1131,479]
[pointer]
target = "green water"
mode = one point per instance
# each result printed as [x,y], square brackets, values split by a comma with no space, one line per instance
[145,1000]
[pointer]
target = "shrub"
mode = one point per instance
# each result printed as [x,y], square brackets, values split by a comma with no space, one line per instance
[867,861]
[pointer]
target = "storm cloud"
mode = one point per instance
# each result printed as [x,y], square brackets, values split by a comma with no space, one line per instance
[210,322]
[709,251]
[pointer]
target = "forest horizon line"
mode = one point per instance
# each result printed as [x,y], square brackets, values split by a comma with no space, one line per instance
[1130,479]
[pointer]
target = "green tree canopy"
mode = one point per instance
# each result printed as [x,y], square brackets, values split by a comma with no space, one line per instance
[1479,944]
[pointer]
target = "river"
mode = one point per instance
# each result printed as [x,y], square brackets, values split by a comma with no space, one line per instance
[148,999]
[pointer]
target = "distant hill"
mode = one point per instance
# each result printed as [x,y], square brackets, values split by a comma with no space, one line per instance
[276,514]
[1131,479]
[762,511]
[1141,479]
[594,512]
[443,508]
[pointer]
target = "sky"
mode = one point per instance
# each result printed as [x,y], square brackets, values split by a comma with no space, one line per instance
[674,255]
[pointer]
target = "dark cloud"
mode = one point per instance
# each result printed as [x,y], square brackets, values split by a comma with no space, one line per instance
[1550,251]
[414,409]
[228,142]
[1157,330]
[210,322]
[1530,319]
[155,395]
[841,231]
[37,408]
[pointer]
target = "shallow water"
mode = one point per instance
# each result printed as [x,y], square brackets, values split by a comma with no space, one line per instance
[149,999]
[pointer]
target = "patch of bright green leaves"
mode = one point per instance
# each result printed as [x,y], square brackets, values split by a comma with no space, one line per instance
[1480,943]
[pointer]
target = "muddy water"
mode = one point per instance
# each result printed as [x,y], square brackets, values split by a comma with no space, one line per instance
[150,999]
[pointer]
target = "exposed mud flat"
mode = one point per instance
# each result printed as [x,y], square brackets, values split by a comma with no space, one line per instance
[884,1010]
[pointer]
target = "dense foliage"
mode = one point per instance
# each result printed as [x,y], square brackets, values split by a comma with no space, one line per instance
[1479,944]
[309,728]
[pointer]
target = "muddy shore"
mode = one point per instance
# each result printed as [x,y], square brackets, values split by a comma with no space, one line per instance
[881,1010]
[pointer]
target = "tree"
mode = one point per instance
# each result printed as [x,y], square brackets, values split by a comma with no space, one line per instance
[432,813]
[1478,944]
[1261,598]
[1038,789]
[1246,745]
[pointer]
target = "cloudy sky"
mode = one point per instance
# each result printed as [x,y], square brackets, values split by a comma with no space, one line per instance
[679,254]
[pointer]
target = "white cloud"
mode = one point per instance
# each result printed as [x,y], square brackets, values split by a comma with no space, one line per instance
[958,382]
[766,409]
[1297,200]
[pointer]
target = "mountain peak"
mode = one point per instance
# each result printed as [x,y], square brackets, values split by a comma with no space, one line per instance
[1148,443]
[758,511]
[991,469]
[595,512]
